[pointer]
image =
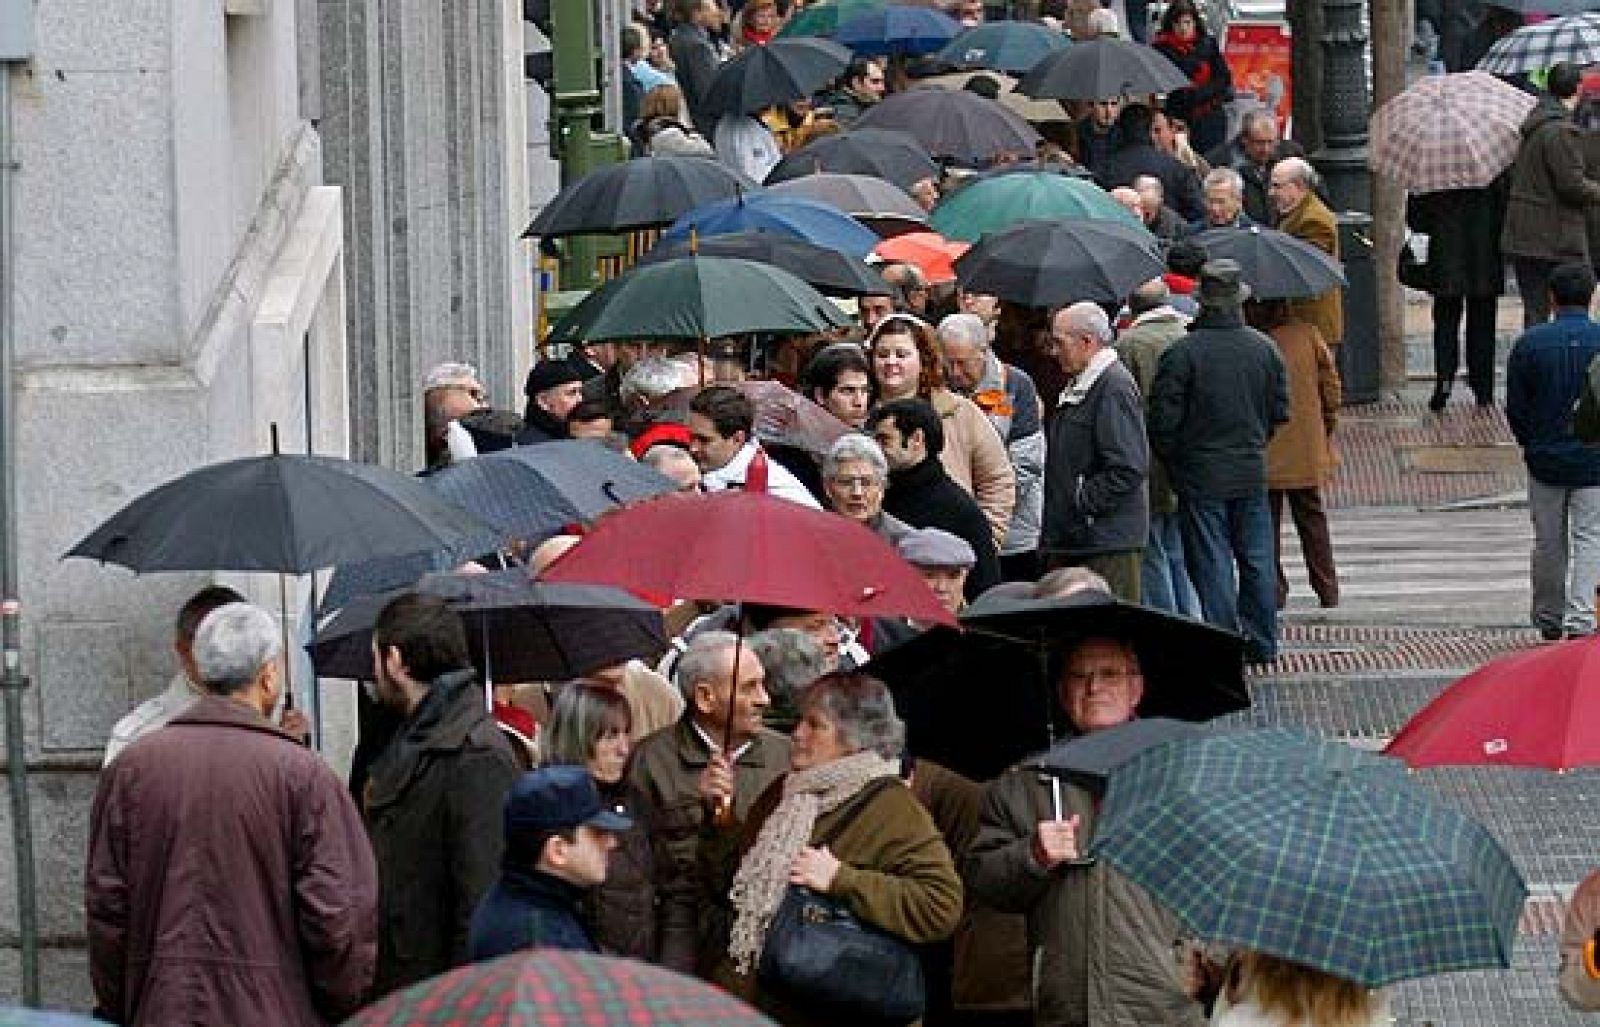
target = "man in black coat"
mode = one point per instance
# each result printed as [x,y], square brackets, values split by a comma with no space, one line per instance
[1219,394]
[1252,155]
[1136,154]
[554,387]
[694,57]
[922,494]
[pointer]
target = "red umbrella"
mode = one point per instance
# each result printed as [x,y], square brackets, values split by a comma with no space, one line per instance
[747,546]
[932,253]
[1539,708]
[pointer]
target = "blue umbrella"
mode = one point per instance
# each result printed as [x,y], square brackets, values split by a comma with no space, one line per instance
[816,223]
[900,30]
[1010,46]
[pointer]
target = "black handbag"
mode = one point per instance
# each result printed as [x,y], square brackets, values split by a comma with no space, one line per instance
[820,955]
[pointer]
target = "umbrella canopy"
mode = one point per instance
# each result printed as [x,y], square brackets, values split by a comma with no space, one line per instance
[1092,757]
[828,271]
[954,125]
[892,156]
[750,547]
[517,629]
[993,204]
[287,513]
[863,197]
[1312,851]
[645,192]
[1192,671]
[1539,708]
[783,416]
[1048,263]
[1554,8]
[1275,265]
[698,298]
[1011,46]
[781,72]
[825,18]
[932,253]
[1030,110]
[1449,132]
[774,212]
[1102,69]
[1574,39]
[897,30]
[552,988]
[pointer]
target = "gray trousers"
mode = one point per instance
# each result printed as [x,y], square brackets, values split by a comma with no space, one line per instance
[1566,556]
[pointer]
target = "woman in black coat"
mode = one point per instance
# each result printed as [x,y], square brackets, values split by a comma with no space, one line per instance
[1184,39]
[1464,273]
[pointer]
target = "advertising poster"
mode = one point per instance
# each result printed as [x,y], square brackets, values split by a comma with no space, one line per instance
[1258,56]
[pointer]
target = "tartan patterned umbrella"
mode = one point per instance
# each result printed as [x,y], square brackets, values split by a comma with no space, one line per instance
[1312,851]
[552,989]
[1575,39]
[1449,132]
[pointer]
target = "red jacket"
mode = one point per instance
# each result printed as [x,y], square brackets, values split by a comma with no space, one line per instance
[230,879]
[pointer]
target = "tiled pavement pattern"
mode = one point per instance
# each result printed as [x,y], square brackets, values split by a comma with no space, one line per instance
[1427,596]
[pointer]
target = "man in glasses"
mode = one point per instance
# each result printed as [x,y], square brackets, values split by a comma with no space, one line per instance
[450,391]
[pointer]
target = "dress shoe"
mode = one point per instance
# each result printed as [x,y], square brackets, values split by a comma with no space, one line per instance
[1441,396]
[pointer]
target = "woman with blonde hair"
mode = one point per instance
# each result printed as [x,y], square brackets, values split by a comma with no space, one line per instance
[1264,991]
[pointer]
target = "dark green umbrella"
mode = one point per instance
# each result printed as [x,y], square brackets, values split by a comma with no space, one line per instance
[698,298]
[824,19]
[1010,46]
[1313,851]
[993,204]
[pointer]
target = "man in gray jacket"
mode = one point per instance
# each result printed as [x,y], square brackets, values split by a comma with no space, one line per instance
[1096,503]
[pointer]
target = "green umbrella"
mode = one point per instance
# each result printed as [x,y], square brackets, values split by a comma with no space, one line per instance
[824,18]
[1312,851]
[991,204]
[698,298]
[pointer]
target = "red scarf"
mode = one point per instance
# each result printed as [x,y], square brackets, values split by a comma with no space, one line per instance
[757,38]
[1200,73]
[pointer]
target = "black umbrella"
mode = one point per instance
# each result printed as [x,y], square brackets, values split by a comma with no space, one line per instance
[1102,69]
[1275,265]
[646,192]
[1092,757]
[863,197]
[781,72]
[518,630]
[287,513]
[1049,263]
[955,125]
[828,271]
[892,156]
[981,699]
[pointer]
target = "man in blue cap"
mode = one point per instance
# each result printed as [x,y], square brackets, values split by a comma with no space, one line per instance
[559,837]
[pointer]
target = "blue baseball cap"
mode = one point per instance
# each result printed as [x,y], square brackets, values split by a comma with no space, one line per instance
[557,798]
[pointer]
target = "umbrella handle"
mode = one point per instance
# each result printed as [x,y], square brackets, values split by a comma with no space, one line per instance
[1055,796]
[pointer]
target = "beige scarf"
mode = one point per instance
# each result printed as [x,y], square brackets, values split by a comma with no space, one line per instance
[763,875]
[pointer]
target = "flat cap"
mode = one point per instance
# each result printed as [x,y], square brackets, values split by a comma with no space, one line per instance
[933,547]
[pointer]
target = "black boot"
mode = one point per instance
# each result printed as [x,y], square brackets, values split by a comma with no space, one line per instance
[1441,396]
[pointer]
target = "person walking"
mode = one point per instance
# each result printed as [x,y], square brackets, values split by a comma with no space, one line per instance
[1550,194]
[1464,273]
[1544,376]
[1219,394]
[229,879]
[1203,105]
[1302,214]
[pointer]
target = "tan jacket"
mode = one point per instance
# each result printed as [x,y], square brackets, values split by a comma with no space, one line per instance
[1314,223]
[1300,455]
[653,701]
[975,457]
[1579,986]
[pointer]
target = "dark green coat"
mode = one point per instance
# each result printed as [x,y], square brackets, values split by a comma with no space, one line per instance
[1550,193]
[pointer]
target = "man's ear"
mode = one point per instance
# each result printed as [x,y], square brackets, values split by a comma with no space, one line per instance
[703,698]
[394,665]
[918,438]
[554,853]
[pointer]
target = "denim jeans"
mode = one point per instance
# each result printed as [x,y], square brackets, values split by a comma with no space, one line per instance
[1218,536]
[1164,578]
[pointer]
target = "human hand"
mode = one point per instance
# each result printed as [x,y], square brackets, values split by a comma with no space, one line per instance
[815,869]
[295,723]
[1056,842]
[715,783]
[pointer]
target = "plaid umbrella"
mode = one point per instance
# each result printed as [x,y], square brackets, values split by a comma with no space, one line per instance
[1575,39]
[1449,132]
[1312,851]
[552,988]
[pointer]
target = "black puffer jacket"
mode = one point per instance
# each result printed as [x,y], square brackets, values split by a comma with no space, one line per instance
[622,911]
[1096,472]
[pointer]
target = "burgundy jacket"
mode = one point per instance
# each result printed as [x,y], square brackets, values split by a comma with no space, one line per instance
[230,879]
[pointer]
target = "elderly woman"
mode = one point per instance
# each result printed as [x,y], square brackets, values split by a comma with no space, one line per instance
[589,727]
[792,660]
[854,476]
[844,824]
[906,365]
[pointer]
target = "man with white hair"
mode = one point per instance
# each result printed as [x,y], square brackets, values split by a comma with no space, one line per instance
[1096,503]
[229,878]
[1224,200]
[1128,198]
[450,391]
[1251,155]
[1302,214]
[673,462]
[651,380]
[1008,397]
[1161,219]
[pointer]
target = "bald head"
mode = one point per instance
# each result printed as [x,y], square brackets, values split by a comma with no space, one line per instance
[1086,319]
[1149,296]
[1129,199]
[1292,179]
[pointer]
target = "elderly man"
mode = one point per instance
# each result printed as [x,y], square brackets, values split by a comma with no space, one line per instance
[1007,395]
[943,560]
[1136,154]
[554,389]
[229,879]
[1104,951]
[1219,394]
[1164,222]
[922,493]
[1302,214]
[1251,155]
[674,462]
[722,441]
[683,773]
[449,392]
[648,382]
[1096,506]
[838,380]
[1224,198]
[1127,198]
[911,282]
[434,795]
[1156,325]
[607,387]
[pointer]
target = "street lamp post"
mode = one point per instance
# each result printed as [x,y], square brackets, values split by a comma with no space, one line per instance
[1346,106]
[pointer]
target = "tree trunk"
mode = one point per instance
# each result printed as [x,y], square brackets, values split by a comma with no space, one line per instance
[1391,34]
